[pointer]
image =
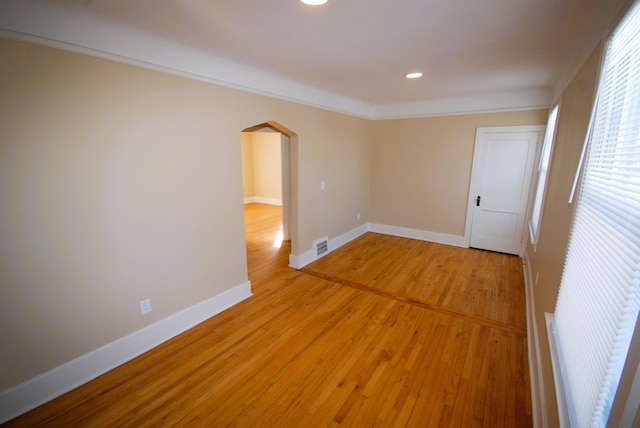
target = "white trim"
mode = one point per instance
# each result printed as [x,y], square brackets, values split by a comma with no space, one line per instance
[422,235]
[485,103]
[632,406]
[473,188]
[64,378]
[285,179]
[556,364]
[533,347]
[347,237]
[30,20]
[533,239]
[262,200]
[309,256]
[538,174]
[300,261]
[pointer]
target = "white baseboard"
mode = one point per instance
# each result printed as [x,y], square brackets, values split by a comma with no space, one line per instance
[64,378]
[422,235]
[565,420]
[349,236]
[300,261]
[535,363]
[262,200]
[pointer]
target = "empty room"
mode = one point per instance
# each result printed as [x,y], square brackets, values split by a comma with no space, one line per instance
[354,213]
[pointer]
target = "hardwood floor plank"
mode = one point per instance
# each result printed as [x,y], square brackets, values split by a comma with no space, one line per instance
[479,283]
[441,309]
[384,331]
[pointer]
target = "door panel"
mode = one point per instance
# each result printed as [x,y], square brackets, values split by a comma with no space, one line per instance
[504,163]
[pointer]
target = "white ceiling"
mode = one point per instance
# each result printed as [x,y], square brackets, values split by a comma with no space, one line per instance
[348,55]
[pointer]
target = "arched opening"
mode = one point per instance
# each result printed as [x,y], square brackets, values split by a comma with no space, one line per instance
[287,141]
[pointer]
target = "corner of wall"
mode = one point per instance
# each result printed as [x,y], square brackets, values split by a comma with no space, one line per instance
[298,261]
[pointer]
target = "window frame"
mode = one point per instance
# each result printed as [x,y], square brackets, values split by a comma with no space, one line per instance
[544,166]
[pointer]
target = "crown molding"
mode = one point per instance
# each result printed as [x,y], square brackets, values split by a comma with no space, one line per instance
[479,103]
[45,24]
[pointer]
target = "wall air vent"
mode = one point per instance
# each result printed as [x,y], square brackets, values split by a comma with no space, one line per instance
[321,247]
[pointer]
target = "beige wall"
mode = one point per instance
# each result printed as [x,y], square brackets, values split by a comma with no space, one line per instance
[421,168]
[118,183]
[262,165]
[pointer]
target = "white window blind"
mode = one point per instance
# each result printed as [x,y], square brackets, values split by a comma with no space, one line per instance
[599,295]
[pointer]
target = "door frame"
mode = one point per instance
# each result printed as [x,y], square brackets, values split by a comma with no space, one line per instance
[289,156]
[285,162]
[475,168]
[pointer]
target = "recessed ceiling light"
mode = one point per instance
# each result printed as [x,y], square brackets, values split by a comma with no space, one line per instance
[314,2]
[413,75]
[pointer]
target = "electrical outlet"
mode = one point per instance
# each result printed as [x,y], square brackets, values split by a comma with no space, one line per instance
[358,216]
[145,306]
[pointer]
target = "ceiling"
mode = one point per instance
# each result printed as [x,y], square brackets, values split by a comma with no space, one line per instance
[347,55]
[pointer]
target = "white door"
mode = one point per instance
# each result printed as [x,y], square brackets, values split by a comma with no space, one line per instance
[502,169]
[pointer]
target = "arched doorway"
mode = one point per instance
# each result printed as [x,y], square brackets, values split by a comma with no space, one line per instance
[289,178]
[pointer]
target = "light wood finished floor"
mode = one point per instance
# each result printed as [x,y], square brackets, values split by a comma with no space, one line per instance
[383,331]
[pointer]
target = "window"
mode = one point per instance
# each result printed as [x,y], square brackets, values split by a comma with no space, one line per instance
[599,296]
[543,170]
